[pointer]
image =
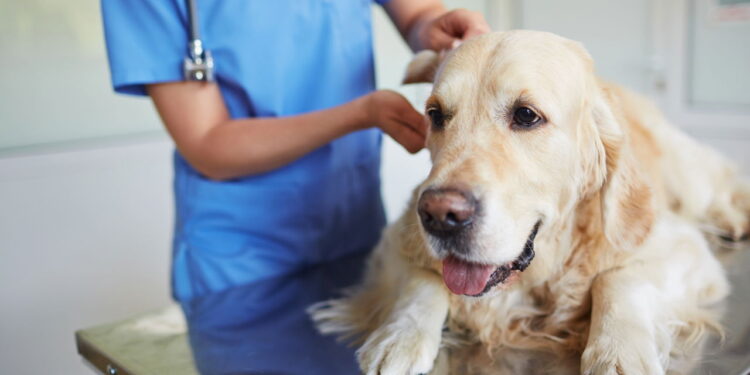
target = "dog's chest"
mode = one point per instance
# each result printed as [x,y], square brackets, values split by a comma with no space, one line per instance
[512,333]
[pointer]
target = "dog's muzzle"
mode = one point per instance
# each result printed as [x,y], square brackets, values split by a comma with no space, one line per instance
[475,279]
[449,215]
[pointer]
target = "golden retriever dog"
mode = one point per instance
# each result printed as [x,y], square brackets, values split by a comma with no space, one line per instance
[561,229]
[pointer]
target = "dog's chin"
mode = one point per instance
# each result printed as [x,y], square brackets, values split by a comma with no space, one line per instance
[464,277]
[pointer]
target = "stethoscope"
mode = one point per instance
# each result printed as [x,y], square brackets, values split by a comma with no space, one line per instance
[198,64]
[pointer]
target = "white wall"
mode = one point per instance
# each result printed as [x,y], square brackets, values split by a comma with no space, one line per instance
[53,62]
[84,226]
[84,239]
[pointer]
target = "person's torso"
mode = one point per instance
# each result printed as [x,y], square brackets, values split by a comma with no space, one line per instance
[279,58]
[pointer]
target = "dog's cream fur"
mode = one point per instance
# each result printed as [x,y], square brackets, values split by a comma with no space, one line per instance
[623,281]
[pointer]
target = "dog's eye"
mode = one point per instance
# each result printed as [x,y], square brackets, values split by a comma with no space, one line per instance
[437,117]
[525,117]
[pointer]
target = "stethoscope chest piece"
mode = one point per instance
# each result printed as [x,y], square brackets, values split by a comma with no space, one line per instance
[198,64]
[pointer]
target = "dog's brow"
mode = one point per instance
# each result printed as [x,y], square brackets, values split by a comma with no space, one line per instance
[505,105]
[523,99]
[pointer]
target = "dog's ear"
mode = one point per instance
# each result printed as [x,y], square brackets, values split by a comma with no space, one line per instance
[627,204]
[423,67]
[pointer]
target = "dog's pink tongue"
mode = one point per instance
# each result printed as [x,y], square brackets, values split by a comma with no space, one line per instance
[463,277]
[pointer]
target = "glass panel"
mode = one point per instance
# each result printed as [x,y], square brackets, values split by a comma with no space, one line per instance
[719,57]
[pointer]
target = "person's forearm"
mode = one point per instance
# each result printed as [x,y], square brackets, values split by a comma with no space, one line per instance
[413,34]
[410,18]
[221,148]
[426,24]
[254,145]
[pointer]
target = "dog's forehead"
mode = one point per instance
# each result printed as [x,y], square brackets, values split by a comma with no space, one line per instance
[511,63]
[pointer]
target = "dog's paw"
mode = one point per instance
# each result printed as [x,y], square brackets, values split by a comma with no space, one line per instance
[731,224]
[729,217]
[741,199]
[728,224]
[620,356]
[399,349]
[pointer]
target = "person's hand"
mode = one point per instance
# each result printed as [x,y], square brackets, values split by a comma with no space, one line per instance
[392,113]
[450,29]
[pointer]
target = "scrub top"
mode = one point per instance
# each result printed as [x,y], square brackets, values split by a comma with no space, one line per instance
[272,58]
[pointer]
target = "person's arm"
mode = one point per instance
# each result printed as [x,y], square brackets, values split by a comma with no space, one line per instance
[221,148]
[425,24]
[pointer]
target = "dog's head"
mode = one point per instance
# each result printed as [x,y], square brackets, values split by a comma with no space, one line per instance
[520,133]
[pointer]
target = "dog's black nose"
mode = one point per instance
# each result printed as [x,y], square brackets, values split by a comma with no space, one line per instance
[446,212]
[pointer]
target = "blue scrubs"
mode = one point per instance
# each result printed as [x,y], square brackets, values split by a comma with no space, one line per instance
[273,58]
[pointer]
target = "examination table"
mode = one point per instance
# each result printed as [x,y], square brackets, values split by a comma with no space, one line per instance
[262,328]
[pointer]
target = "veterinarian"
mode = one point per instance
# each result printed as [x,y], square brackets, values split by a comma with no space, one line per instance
[278,132]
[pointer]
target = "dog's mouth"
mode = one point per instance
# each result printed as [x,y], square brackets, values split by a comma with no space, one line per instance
[476,279]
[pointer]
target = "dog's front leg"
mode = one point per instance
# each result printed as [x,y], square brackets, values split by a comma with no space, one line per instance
[409,339]
[622,336]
